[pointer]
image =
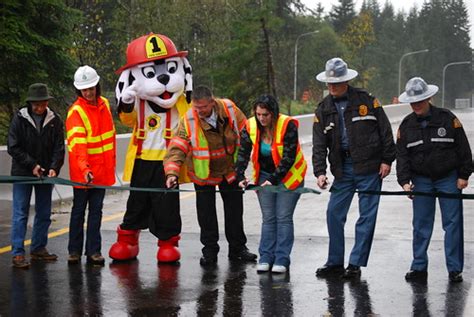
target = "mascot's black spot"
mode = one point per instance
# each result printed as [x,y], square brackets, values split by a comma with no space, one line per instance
[131,79]
[121,86]
[159,62]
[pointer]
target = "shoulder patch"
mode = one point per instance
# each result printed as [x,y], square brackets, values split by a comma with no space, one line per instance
[457,123]
[363,110]
[376,103]
[398,134]
[316,120]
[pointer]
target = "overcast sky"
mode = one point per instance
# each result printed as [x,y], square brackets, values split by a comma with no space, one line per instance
[404,5]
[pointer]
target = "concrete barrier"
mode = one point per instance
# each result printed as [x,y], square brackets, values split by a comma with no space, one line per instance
[394,112]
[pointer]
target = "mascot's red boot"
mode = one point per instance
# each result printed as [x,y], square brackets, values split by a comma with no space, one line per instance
[168,250]
[126,247]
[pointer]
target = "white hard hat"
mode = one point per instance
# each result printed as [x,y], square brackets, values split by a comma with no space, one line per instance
[417,90]
[85,77]
[336,72]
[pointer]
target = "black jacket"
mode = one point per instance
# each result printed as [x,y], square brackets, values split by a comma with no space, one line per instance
[28,147]
[434,151]
[368,130]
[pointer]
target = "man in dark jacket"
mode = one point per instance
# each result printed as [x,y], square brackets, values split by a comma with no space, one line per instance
[352,126]
[36,145]
[433,155]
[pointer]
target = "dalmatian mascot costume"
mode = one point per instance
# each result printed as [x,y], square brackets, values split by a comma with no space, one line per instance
[153,92]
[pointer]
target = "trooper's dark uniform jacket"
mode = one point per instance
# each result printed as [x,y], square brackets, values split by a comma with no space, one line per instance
[28,147]
[368,130]
[434,151]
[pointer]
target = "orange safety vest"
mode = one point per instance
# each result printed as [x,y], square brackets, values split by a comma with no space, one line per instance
[296,174]
[201,155]
[91,141]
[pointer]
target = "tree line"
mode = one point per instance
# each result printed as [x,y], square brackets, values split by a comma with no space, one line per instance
[240,48]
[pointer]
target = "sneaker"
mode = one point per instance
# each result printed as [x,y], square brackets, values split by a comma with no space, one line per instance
[43,255]
[73,258]
[415,275]
[330,270]
[19,261]
[243,256]
[352,271]
[263,267]
[279,269]
[96,259]
[455,277]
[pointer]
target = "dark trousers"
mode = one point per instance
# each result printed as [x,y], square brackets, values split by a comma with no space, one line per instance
[95,198]
[233,213]
[157,211]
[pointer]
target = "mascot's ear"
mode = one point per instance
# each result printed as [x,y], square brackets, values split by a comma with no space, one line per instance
[125,80]
[188,79]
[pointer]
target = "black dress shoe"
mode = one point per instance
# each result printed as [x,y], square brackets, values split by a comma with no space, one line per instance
[352,271]
[208,260]
[415,275]
[455,277]
[329,270]
[243,256]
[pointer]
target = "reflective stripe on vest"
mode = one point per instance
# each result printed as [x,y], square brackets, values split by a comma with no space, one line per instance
[296,173]
[89,139]
[200,147]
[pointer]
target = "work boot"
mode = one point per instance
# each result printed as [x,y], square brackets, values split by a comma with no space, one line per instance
[208,260]
[126,247]
[330,270]
[73,258]
[242,256]
[20,262]
[352,271]
[415,275]
[168,250]
[42,255]
[455,277]
[96,259]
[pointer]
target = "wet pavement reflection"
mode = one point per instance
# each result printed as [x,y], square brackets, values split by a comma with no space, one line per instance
[144,288]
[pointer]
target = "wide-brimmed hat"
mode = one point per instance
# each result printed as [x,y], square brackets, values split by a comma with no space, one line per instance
[336,72]
[38,92]
[416,90]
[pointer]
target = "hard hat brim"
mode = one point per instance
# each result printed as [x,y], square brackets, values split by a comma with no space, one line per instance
[87,85]
[124,67]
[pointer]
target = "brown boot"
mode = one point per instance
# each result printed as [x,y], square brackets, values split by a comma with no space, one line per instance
[96,259]
[43,255]
[19,261]
[74,258]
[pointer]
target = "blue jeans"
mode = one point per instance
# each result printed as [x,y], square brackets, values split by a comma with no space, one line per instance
[423,219]
[95,198]
[277,235]
[340,200]
[21,207]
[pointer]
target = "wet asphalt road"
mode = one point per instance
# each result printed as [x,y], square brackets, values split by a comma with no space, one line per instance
[144,288]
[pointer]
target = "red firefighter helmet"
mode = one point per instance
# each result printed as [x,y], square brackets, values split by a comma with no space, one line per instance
[149,48]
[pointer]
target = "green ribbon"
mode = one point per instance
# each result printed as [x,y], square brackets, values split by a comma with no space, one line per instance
[276,189]
[61,181]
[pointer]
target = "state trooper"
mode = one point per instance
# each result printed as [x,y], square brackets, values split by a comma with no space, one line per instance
[352,130]
[433,155]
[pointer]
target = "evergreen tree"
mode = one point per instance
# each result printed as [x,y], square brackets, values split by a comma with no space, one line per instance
[35,41]
[342,15]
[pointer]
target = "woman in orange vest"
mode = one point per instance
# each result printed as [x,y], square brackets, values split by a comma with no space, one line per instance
[91,147]
[270,140]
